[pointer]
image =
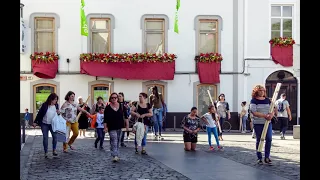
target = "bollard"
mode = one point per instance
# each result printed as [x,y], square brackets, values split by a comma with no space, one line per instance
[24,132]
[174,123]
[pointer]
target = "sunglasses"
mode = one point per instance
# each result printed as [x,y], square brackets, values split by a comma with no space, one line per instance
[114,97]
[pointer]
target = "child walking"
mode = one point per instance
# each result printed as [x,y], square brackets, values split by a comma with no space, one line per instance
[97,122]
[211,126]
[139,129]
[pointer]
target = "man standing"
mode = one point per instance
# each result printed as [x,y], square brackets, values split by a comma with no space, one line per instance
[27,118]
[283,114]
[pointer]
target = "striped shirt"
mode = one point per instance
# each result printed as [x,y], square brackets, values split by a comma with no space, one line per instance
[261,106]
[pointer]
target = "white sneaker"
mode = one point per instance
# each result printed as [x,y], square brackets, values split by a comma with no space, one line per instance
[115,159]
[243,132]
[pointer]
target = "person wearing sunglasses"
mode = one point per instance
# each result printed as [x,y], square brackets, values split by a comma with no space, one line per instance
[223,112]
[113,123]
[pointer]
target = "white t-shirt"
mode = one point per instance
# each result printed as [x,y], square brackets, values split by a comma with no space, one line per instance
[212,123]
[51,112]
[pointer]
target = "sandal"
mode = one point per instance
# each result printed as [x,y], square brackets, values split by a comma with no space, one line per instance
[71,147]
[144,152]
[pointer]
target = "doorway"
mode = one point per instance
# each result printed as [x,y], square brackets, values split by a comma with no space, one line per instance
[289,86]
[40,95]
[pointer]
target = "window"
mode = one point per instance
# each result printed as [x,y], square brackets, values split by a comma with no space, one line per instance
[207,35]
[281,21]
[44,29]
[160,89]
[40,94]
[203,99]
[155,28]
[101,90]
[100,35]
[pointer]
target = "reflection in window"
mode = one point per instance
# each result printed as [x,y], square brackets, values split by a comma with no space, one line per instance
[208,36]
[100,35]
[281,21]
[100,91]
[154,35]
[203,99]
[41,95]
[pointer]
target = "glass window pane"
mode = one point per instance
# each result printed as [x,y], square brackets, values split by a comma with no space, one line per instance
[207,43]
[203,98]
[41,95]
[160,90]
[211,26]
[44,24]
[275,24]
[100,42]
[287,11]
[99,24]
[287,24]
[276,11]
[155,43]
[44,42]
[102,91]
[287,34]
[154,25]
[275,34]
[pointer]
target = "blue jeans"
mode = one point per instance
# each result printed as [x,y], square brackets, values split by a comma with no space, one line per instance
[144,140]
[244,123]
[100,137]
[45,128]
[215,133]
[221,120]
[258,128]
[157,118]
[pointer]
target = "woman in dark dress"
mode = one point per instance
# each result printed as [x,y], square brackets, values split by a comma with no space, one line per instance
[83,120]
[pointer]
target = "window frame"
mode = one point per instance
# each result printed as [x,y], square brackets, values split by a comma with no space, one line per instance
[34,87]
[147,84]
[155,17]
[214,95]
[44,30]
[216,32]
[281,19]
[99,85]
[108,30]
[111,25]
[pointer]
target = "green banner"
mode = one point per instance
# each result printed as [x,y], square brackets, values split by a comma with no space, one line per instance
[102,93]
[84,25]
[176,23]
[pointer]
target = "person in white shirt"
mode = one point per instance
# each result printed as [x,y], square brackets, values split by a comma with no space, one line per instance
[139,129]
[211,126]
[244,117]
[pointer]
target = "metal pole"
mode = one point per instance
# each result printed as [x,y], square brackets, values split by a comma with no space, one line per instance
[24,132]
[174,123]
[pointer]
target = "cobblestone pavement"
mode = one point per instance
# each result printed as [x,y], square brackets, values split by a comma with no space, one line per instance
[284,153]
[86,162]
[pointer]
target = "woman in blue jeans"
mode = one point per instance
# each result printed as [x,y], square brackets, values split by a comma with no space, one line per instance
[259,107]
[47,112]
[156,101]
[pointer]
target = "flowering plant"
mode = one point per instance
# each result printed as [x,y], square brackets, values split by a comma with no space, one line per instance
[127,57]
[45,57]
[285,41]
[209,57]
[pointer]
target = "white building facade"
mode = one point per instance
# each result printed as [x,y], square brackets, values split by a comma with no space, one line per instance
[242,34]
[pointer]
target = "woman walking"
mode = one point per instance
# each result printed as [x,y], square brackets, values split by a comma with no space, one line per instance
[223,112]
[156,100]
[211,126]
[83,120]
[191,126]
[142,110]
[44,118]
[259,106]
[123,104]
[113,123]
[69,113]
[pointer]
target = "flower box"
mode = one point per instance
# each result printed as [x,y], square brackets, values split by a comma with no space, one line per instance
[44,65]
[138,66]
[282,51]
[208,66]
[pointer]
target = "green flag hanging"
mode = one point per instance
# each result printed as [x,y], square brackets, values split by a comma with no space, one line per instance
[84,26]
[176,25]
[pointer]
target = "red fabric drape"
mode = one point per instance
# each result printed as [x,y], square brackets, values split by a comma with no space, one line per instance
[209,72]
[126,70]
[282,55]
[45,70]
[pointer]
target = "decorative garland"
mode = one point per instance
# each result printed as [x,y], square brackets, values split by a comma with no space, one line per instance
[209,57]
[127,57]
[44,57]
[281,42]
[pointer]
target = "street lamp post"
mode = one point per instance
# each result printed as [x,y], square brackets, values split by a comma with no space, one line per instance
[21,10]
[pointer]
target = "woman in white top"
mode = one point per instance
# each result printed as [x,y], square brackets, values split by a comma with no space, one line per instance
[211,126]
[244,117]
[44,118]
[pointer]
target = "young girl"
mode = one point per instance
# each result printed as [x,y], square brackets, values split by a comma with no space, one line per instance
[97,122]
[139,129]
[211,126]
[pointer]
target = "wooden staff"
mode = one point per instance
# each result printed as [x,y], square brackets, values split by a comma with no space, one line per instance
[266,124]
[217,120]
[109,93]
[82,108]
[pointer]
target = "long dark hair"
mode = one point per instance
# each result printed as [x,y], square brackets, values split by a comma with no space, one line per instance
[121,93]
[51,97]
[67,97]
[155,88]
[113,94]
